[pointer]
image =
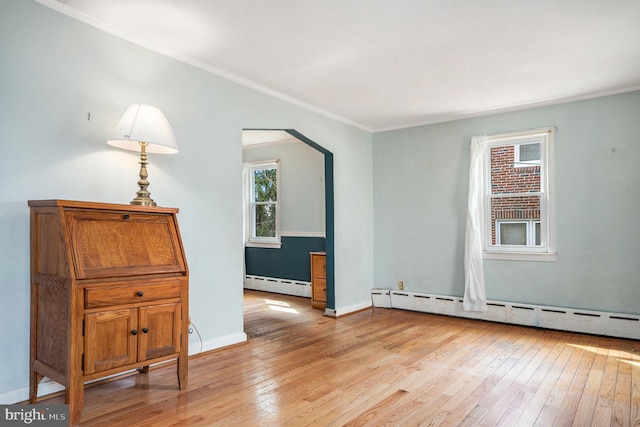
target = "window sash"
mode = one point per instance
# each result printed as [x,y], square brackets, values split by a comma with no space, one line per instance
[492,232]
[255,226]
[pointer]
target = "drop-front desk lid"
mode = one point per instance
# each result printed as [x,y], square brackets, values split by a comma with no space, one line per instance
[108,240]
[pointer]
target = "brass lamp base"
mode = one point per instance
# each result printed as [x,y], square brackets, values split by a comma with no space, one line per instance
[142,202]
[143,198]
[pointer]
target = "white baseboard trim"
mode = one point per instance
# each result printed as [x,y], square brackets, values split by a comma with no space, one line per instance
[216,343]
[351,308]
[619,325]
[280,286]
[21,394]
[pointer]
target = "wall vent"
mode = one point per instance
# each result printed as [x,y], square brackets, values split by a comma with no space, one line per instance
[566,319]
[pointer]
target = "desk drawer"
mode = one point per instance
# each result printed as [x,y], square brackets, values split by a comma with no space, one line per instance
[318,265]
[107,296]
[319,289]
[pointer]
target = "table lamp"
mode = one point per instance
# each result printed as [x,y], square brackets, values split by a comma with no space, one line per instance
[146,129]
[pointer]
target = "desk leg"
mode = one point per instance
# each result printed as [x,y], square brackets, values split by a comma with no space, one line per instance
[182,372]
[34,379]
[74,397]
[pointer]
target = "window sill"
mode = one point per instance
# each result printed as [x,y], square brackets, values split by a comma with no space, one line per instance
[275,245]
[521,256]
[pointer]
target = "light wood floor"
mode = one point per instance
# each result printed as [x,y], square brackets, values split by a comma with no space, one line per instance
[382,367]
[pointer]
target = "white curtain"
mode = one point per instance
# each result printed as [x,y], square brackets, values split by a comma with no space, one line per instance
[474,294]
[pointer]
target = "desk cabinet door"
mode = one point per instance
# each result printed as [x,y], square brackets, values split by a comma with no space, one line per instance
[110,339]
[160,331]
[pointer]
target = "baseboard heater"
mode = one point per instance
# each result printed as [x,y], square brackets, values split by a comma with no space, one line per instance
[279,286]
[566,319]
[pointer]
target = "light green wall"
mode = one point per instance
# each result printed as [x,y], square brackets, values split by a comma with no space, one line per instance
[421,180]
[301,185]
[54,71]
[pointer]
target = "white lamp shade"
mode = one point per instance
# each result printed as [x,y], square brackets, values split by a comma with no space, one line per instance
[144,123]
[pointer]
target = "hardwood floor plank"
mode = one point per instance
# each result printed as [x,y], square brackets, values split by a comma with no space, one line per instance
[549,411]
[526,408]
[380,367]
[589,396]
[560,407]
[526,381]
[491,384]
[622,396]
[603,413]
[497,402]
[634,353]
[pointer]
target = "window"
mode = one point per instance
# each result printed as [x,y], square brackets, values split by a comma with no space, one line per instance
[262,210]
[526,155]
[519,206]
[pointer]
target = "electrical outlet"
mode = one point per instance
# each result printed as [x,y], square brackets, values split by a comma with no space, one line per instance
[400,285]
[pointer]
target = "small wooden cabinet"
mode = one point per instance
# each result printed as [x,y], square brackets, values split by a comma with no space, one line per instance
[109,293]
[318,280]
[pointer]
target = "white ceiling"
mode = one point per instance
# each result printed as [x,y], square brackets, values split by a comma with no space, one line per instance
[251,137]
[389,64]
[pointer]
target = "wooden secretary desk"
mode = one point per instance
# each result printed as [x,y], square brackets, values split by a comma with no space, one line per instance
[109,293]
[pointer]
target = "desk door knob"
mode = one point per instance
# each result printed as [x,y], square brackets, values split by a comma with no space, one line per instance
[134,332]
[145,330]
[125,216]
[139,293]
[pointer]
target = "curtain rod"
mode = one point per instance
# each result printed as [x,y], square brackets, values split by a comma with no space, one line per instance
[530,132]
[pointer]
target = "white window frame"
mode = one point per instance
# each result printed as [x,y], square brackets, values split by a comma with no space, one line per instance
[547,249]
[251,240]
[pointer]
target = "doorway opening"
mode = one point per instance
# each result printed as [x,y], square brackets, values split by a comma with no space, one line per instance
[273,136]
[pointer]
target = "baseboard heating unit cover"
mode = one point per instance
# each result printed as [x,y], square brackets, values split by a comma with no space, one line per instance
[560,318]
[279,286]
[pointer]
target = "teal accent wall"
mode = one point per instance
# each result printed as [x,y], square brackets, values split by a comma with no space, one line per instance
[290,261]
[330,231]
[329,216]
